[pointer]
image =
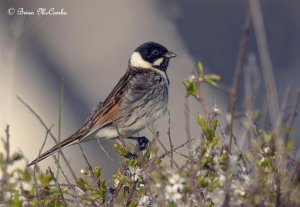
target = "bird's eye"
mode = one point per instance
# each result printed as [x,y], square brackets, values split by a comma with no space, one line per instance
[155,52]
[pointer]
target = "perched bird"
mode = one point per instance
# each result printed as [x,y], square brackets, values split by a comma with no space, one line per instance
[139,99]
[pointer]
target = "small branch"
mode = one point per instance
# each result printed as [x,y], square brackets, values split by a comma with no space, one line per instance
[42,122]
[170,140]
[237,73]
[107,154]
[133,187]
[58,185]
[162,145]
[295,110]
[120,138]
[68,181]
[7,147]
[85,158]
[176,148]
[35,166]
[200,98]
[43,145]
[115,194]
[278,124]
[261,39]
[187,123]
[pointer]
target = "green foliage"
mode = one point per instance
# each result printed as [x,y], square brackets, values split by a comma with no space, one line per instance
[190,87]
[262,175]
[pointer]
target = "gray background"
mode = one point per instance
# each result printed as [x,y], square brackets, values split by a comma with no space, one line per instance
[90,48]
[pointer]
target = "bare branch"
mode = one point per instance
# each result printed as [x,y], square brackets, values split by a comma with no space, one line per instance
[42,122]
[85,158]
[262,44]
[170,140]
[107,154]
[68,181]
[237,73]
[58,185]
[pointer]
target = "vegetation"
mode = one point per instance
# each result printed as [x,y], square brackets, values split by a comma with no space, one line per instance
[213,173]
[221,167]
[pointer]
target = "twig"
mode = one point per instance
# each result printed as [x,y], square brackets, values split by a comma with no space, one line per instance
[237,73]
[283,107]
[7,147]
[295,110]
[42,122]
[58,185]
[89,165]
[162,145]
[28,32]
[115,194]
[176,148]
[85,158]
[120,138]
[200,98]
[43,145]
[156,135]
[257,136]
[67,179]
[241,153]
[261,39]
[107,154]
[35,166]
[187,123]
[133,187]
[170,140]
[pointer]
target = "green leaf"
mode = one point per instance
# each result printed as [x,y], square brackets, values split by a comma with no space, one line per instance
[97,172]
[201,181]
[16,156]
[214,124]
[16,202]
[200,68]
[210,82]
[215,184]
[212,77]
[123,151]
[26,176]
[190,87]
[102,188]
[133,204]
[201,121]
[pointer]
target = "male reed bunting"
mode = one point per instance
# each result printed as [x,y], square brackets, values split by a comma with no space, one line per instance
[139,99]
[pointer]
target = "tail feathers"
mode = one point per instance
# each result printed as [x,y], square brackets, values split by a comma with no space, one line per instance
[71,140]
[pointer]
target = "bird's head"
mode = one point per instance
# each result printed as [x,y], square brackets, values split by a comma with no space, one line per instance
[151,55]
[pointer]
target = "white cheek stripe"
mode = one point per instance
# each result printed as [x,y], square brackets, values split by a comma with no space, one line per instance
[158,62]
[137,61]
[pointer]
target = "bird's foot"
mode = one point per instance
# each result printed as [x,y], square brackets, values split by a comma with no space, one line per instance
[131,156]
[143,142]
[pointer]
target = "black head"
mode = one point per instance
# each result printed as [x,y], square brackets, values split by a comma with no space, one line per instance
[151,55]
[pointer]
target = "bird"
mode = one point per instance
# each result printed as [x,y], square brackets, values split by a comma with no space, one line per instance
[139,99]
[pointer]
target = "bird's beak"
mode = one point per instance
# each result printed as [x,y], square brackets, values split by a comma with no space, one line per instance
[170,55]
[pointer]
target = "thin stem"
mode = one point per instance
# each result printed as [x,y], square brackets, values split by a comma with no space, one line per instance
[237,73]
[170,140]
[262,45]
[42,122]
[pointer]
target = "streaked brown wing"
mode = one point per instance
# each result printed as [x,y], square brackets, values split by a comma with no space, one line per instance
[105,114]
[110,110]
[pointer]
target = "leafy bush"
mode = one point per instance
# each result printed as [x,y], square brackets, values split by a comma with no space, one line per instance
[216,172]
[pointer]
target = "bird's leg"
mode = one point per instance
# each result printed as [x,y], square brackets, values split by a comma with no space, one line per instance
[120,141]
[143,142]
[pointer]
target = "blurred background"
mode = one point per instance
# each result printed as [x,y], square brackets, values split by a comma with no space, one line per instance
[87,50]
